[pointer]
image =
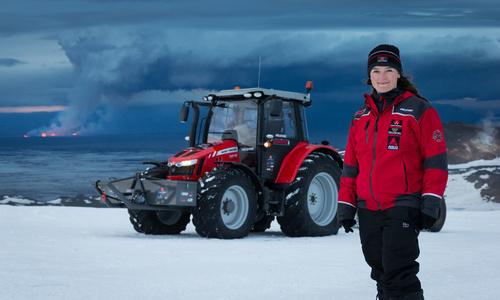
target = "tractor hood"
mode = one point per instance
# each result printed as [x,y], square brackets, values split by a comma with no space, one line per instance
[192,163]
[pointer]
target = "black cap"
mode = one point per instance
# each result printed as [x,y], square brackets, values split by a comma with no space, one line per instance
[384,55]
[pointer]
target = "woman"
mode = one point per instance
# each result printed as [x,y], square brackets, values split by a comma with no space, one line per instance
[394,176]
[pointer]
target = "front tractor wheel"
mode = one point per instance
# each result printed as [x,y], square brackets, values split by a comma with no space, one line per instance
[226,205]
[311,200]
[159,222]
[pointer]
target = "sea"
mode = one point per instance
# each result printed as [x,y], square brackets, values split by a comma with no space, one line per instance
[47,168]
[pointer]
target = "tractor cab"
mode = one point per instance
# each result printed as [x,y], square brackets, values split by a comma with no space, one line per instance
[265,124]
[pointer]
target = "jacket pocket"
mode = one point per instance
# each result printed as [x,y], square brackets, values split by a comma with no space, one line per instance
[406,176]
[366,131]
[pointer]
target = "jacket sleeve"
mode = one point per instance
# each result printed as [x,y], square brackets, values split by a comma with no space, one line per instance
[433,150]
[347,193]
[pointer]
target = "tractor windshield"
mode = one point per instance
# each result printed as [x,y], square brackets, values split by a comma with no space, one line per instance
[240,116]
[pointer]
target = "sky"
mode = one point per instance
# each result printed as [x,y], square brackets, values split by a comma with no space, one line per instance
[125,67]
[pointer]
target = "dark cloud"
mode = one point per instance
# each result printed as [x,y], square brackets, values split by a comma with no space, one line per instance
[9,62]
[21,16]
[119,58]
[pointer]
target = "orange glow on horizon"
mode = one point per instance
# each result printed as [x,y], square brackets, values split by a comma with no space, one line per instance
[45,134]
[33,109]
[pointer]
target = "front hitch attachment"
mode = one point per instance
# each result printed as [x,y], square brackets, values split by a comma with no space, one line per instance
[147,193]
[137,196]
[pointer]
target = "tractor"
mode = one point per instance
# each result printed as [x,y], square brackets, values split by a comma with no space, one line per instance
[249,162]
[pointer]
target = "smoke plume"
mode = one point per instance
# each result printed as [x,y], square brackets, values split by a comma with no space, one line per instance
[115,70]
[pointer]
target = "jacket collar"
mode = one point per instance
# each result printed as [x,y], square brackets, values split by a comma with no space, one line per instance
[370,99]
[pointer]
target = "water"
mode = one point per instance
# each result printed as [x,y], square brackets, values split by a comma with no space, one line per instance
[47,168]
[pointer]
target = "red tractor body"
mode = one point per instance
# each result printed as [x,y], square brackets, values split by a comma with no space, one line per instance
[249,160]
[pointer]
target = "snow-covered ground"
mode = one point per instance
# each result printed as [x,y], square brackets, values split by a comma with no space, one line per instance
[91,253]
[50,252]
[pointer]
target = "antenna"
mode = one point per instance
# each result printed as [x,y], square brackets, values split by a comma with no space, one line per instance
[258,78]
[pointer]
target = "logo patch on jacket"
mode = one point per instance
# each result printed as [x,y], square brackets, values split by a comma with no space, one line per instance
[396,123]
[395,131]
[393,143]
[438,136]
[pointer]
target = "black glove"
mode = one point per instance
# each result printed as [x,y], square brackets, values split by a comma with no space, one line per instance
[347,224]
[426,221]
[429,211]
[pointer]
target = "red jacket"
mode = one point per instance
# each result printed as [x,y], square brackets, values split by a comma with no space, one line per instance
[393,159]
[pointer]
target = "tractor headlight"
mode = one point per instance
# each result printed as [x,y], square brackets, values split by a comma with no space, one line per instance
[186,163]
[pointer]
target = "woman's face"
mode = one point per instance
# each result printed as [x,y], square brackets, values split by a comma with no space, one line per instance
[384,78]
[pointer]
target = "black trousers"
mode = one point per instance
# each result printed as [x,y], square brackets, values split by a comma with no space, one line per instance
[389,240]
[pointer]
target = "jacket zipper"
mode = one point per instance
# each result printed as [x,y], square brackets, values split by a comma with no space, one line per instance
[366,132]
[373,165]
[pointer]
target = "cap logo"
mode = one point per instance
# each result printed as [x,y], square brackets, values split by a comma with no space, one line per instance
[382,59]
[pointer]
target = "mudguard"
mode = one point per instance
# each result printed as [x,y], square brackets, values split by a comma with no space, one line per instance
[294,159]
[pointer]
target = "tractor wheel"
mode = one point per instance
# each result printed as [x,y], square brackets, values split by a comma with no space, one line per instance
[311,200]
[441,218]
[227,205]
[263,223]
[159,222]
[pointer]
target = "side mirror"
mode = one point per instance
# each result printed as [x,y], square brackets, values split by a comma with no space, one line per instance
[276,107]
[184,114]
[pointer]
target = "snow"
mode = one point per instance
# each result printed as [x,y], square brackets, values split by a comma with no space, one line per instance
[94,253]
[476,163]
[20,201]
[52,252]
[55,202]
[462,194]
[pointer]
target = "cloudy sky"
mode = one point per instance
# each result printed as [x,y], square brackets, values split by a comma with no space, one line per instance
[113,67]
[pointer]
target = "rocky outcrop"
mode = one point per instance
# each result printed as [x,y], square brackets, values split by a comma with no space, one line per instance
[467,142]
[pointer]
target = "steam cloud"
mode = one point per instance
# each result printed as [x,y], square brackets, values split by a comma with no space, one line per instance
[117,69]
[487,137]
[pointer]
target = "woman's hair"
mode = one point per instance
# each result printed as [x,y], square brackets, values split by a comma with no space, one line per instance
[404,83]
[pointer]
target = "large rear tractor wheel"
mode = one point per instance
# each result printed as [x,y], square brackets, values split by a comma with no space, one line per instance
[311,200]
[227,205]
[159,222]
